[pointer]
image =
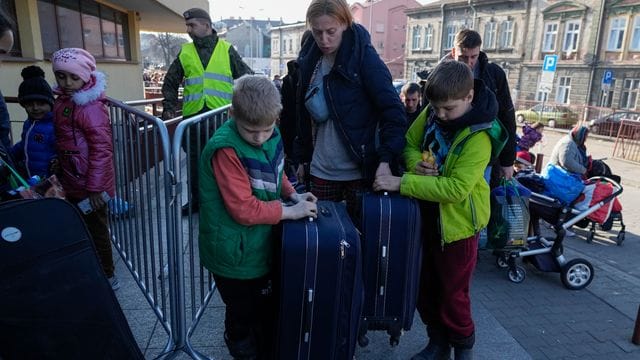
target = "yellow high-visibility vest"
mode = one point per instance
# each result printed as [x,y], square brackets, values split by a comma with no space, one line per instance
[212,86]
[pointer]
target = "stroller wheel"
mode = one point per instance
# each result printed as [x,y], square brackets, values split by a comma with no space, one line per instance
[576,274]
[501,261]
[620,238]
[517,275]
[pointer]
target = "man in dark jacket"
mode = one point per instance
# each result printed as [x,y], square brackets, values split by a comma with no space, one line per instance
[467,50]
[205,39]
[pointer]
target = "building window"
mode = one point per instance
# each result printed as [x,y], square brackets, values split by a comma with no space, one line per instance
[629,96]
[635,35]
[550,36]
[542,95]
[616,34]
[99,29]
[290,46]
[506,34]
[428,37]
[571,32]
[415,44]
[564,88]
[10,7]
[451,36]
[489,38]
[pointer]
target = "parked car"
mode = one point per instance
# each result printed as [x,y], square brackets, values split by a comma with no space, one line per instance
[551,115]
[609,124]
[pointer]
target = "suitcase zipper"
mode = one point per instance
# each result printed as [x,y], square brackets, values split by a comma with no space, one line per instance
[343,248]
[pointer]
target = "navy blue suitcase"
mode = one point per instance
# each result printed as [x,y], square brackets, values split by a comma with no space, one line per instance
[320,286]
[392,257]
[55,301]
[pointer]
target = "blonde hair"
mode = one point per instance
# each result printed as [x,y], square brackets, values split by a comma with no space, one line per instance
[450,80]
[255,100]
[338,9]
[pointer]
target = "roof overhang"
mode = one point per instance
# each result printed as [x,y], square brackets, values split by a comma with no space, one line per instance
[161,15]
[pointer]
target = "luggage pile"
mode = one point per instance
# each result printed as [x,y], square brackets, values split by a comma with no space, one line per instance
[337,284]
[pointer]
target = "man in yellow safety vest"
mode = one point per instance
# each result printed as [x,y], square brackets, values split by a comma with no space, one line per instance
[208,66]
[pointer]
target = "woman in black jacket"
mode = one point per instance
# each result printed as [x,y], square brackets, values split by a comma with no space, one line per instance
[349,119]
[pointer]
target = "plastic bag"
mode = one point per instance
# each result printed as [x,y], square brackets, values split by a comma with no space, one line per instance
[561,184]
[509,222]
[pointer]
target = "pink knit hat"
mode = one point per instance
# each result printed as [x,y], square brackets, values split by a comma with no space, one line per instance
[75,61]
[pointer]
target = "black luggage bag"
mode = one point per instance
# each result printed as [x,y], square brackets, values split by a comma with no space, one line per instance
[392,248]
[320,286]
[55,301]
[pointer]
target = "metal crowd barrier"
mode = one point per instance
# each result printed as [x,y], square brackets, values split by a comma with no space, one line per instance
[141,217]
[157,243]
[199,286]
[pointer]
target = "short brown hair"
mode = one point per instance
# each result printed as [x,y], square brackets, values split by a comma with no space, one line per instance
[409,88]
[450,80]
[467,39]
[338,9]
[255,100]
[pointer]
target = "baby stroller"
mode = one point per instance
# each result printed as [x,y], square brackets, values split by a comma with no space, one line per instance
[600,168]
[545,254]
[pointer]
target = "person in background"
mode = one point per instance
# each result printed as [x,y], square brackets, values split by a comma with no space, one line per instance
[448,148]
[208,66]
[37,146]
[410,95]
[467,50]
[531,134]
[84,144]
[242,183]
[344,98]
[6,181]
[277,82]
[524,162]
[570,152]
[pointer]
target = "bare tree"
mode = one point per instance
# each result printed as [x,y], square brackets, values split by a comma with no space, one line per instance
[161,48]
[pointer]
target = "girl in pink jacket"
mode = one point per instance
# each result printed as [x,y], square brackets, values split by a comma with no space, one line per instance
[84,143]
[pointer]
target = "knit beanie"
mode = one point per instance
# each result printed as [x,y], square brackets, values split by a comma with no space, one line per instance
[34,86]
[75,61]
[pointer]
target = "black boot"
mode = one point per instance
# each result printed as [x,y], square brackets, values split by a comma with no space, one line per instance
[438,347]
[463,347]
[463,354]
[244,349]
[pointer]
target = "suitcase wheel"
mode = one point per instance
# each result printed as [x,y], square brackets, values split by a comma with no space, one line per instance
[394,340]
[363,340]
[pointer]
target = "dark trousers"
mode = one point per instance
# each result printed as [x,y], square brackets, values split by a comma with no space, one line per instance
[250,316]
[349,191]
[193,143]
[444,302]
[97,222]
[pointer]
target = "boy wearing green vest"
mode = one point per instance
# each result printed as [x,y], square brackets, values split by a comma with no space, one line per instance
[448,148]
[242,182]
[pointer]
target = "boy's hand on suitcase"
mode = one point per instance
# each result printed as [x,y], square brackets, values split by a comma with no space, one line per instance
[387,182]
[296,198]
[300,210]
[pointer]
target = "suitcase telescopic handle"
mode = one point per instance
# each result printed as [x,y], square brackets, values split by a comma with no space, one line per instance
[308,309]
[383,269]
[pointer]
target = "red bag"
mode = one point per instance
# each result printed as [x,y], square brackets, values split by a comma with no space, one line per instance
[594,193]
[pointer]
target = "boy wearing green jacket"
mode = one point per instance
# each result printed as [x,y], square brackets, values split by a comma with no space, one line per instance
[242,183]
[448,148]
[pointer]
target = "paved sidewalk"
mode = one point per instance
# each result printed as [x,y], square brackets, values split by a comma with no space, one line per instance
[536,319]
